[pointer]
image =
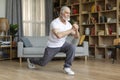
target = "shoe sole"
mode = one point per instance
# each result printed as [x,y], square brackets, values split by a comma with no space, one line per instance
[68,73]
[29,63]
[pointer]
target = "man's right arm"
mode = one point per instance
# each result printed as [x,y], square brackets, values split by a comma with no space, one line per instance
[59,34]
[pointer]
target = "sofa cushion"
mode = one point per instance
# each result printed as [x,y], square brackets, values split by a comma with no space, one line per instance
[79,49]
[38,41]
[34,50]
[26,42]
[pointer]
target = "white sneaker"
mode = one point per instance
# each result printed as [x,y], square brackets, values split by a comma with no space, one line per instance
[30,65]
[69,71]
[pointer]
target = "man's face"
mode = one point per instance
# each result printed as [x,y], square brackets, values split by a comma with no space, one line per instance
[66,15]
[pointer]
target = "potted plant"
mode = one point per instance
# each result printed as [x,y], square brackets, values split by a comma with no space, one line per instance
[13,32]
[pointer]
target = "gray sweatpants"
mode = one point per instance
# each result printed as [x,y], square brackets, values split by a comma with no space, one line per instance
[49,53]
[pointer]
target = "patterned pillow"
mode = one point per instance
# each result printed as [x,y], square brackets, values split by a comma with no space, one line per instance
[82,38]
[26,42]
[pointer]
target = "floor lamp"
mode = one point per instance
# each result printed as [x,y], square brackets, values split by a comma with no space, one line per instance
[4,26]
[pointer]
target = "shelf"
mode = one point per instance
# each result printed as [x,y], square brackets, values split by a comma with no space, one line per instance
[93,35]
[102,20]
[101,47]
[112,23]
[5,47]
[100,0]
[107,35]
[74,4]
[88,2]
[74,14]
[84,13]
[106,23]
[92,46]
[4,58]
[88,24]
[108,11]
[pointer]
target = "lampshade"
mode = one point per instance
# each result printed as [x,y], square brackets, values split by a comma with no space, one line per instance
[4,26]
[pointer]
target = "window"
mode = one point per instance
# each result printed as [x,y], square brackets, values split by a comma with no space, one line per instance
[34,17]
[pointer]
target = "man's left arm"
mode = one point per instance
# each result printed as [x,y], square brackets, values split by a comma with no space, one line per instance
[76,27]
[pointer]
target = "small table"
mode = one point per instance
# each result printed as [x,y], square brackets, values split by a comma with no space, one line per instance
[113,55]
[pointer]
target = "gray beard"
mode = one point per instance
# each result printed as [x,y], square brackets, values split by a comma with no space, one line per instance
[66,19]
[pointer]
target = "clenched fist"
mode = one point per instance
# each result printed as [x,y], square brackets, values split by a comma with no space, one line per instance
[75,26]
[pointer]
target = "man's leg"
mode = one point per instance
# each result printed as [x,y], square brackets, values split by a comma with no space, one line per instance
[69,49]
[48,55]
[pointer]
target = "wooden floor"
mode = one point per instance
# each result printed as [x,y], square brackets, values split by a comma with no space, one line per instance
[92,70]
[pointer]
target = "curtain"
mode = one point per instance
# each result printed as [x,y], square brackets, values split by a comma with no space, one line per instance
[14,14]
[34,17]
[48,15]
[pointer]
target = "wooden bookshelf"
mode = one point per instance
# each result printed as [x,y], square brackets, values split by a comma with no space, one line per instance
[102,17]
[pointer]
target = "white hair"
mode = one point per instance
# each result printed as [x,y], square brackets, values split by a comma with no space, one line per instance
[62,10]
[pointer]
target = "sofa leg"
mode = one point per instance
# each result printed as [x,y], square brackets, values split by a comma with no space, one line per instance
[86,58]
[20,60]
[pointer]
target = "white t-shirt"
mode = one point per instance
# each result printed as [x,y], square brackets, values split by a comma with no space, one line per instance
[53,41]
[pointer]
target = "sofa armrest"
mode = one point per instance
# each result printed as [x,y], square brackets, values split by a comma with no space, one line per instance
[20,49]
[86,47]
[85,44]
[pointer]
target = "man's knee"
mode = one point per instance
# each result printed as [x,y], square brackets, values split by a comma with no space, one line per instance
[43,64]
[72,48]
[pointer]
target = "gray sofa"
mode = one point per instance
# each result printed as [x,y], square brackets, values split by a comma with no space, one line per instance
[39,44]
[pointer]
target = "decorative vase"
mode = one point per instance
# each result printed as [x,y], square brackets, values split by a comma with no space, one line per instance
[87,31]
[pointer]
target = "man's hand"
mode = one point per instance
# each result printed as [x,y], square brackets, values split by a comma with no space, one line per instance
[73,31]
[75,26]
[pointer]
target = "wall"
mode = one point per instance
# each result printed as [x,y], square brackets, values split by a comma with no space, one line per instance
[2,8]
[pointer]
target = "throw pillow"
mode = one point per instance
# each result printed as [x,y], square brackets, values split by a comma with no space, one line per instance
[82,38]
[26,42]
